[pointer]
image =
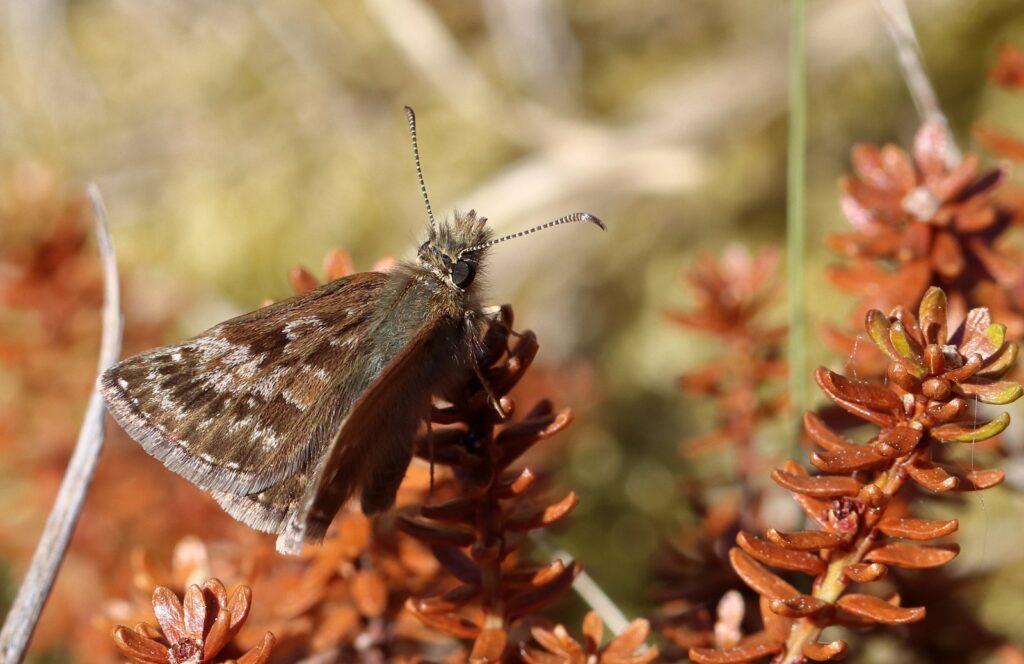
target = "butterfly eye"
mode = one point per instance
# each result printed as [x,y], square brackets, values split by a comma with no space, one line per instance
[462,274]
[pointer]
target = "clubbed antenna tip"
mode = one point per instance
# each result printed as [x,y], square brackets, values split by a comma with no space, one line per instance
[586,216]
[567,219]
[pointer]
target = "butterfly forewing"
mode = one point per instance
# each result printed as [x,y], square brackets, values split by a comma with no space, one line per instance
[252,401]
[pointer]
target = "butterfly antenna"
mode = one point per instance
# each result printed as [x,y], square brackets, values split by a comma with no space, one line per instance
[419,171]
[567,219]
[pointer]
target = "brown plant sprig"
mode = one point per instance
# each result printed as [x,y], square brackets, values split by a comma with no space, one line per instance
[731,295]
[348,596]
[1008,72]
[934,382]
[744,388]
[342,600]
[560,648]
[693,574]
[477,535]
[923,219]
[193,632]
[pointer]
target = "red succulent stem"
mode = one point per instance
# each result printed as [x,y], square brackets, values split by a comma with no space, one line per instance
[833,583]
[488,552]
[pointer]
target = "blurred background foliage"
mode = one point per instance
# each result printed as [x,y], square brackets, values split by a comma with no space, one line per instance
[234,139]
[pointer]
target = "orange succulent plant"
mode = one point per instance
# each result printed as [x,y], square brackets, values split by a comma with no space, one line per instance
[935,220]
[477,535]
[560,648]
[732,294]
[935,380]
[745,388]
[1008,72]
[193,632]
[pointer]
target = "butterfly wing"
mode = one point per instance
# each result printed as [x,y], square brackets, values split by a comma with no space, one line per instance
[266,511]
[370,453]
[249,403]
[373,446]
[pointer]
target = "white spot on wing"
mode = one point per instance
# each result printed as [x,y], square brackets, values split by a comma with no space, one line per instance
[318,372]
[267,386]
[123,383]
[266,437]
[249,369]
[167,404]
[293,328]
[212,346]
[294,400]
[238,425]
[238,355]
[269,441]
[237,365]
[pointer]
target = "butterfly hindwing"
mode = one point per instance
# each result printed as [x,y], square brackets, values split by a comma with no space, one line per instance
[247,404]
[266,511]
[376,436]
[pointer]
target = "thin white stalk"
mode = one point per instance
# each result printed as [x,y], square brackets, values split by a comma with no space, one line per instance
[597,599]
[49,554]
[901,29]
[589,591]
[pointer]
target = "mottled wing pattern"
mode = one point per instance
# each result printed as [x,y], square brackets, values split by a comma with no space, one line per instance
[249,403]
[373,447]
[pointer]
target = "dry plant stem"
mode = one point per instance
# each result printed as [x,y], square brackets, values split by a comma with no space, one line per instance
[901,29]
[415,29]
[597,599]
[35,589]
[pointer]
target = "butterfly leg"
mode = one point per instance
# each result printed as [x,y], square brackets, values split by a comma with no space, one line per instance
[501,315]
[490,393]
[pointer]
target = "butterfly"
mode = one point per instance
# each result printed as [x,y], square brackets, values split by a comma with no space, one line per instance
[285,413]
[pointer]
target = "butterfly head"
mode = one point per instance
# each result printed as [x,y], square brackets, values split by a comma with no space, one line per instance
[454,252]
[455,249]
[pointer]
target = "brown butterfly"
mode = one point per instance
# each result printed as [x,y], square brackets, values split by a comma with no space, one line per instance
[285,413]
